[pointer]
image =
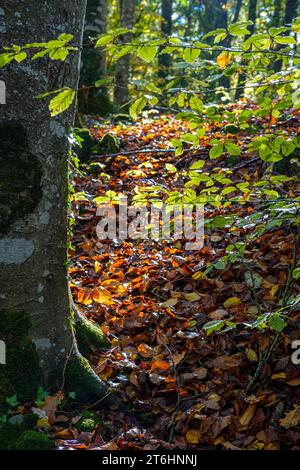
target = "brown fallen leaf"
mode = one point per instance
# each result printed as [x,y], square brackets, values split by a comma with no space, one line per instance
[291,418]
[248,414]
[51,404]
[226,362]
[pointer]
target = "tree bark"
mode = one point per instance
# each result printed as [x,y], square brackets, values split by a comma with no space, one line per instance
[237,11]
[34,299]
[93,61]
[277,13]
[121,93]
[290,11]
[220,21]
[166,29]
[251,17]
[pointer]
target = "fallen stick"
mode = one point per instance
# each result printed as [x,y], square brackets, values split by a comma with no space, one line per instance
[132,152]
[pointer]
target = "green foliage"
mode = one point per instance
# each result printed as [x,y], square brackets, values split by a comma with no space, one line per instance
[87,422]
[33,440]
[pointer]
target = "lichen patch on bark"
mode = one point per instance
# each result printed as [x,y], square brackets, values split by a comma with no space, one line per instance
[15,250]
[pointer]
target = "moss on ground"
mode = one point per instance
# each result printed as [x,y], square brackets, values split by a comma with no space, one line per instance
[33,440]
[10,433]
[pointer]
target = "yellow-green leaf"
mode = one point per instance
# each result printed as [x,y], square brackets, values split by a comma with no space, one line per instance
[62,101]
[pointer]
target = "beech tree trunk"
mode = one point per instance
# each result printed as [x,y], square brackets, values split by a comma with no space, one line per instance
[93,61]
[34,300]
[251,17]
[121,94]
[166,29]
[277,13]
[290,12]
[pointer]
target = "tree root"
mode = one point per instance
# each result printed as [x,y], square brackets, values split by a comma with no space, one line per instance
[88,333]
[82,380]
[78,375]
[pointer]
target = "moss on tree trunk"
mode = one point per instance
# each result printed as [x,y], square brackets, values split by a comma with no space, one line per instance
[21,374]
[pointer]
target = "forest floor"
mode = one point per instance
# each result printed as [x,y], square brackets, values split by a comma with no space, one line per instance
[182,388]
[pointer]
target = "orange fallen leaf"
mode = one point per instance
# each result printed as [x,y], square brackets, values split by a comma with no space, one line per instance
[102,296]
[145,350]
[160,365]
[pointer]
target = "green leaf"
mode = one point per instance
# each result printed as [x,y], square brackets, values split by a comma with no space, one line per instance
[181,99]
[123,51]
[147,53]
[137,107]
[5,59]
[216,150]
[103,40]
[40,54]
[196,104]
[214,325]
[232,149]
[65,37]
[59,54]
[197,165]
[190,55]
[21,56]
[239,29]
[12,401]
[276,322]
[284,40]
[215,32]
[174,198]
[189,196]
[153,100]
[62,101]
[48,93]
[228,190]
[190,138]
[244,187]
[171,168]
[296,273]
[220,37]
[276,31]
[100,82]
[295,98]
[221,264]
[179,151]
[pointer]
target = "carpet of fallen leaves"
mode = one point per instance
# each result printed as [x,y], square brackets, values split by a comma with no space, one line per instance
[179,388]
